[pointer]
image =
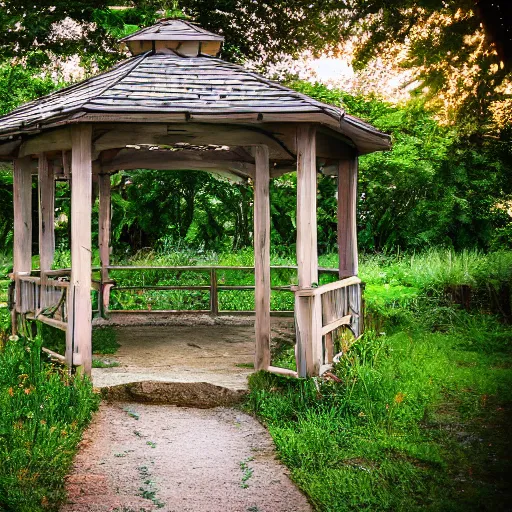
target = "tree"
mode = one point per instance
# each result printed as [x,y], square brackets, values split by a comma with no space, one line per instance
[28,26]
[460,50]
[434,187]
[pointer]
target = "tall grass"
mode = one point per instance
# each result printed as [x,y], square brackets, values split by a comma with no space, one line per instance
[417,415]
[437,268]
[5,268]
[43,415]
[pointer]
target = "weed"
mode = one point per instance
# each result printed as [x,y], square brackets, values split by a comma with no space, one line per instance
[98,363]
[132,414]
[149,490]
[151,443]
[247,472]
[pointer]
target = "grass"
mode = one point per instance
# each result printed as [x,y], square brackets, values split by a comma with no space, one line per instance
[104,340]
[419,419]
[98,363]
[44,413]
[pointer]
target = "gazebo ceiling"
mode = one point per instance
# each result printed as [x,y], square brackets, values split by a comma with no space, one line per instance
[165,86]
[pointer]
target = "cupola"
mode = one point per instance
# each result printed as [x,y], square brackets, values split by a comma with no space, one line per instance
[183,37]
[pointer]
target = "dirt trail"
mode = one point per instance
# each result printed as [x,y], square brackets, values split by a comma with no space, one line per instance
[138,457]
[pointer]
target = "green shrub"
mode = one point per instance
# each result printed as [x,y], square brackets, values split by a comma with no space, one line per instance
[104,339]
[44,412]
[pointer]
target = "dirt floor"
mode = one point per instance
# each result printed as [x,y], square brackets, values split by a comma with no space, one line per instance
[217,354]
[138,457]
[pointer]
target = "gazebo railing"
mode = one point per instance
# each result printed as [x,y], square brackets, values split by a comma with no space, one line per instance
[340,306]
[40,295]
[329,307]
[212,285]
[43,299]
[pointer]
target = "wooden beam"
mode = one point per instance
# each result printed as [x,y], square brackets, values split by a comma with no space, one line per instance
[345,320]
[232,118]
[168,160]
[8,148]
[46,190]
[329,287]
[307,309]
[104,232]
[282,371]
[262,257]
[79,332]
[52,140]
[347,220]
[22,250]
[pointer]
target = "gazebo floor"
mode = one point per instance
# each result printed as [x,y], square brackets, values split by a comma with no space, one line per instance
[221,355]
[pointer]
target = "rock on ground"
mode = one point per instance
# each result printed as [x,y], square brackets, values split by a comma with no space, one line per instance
[139,457]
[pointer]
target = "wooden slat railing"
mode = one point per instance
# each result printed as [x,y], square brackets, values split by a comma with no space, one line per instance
[340,307]
[45,298]
[44,302]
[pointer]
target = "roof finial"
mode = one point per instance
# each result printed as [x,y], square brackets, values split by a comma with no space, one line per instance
[179,35]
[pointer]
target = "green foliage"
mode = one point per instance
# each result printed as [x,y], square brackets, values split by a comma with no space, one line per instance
[104,339]
[432,188]
[460,54]
[44,413]
[185,206]
[23,22]
[414,405]
[19,84]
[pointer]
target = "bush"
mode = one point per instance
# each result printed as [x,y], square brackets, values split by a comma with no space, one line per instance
[44,412]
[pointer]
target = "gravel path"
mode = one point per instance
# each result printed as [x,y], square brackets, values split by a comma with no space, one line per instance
[138,457]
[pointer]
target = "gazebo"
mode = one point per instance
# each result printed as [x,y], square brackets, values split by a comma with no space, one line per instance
[175,105]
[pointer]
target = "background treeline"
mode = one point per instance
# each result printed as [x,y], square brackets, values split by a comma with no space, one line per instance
[446,182]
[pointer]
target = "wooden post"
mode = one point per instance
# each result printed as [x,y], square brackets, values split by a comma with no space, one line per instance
[307,309]
[262,257]
[347,221]
[104,234]
[22,188]
[214,293]
[79,331]
[46,190]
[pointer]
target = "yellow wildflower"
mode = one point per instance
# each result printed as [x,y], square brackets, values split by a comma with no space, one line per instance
[399,398]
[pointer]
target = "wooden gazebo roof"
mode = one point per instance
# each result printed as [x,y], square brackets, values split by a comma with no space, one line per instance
[157,83]
[181,83]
